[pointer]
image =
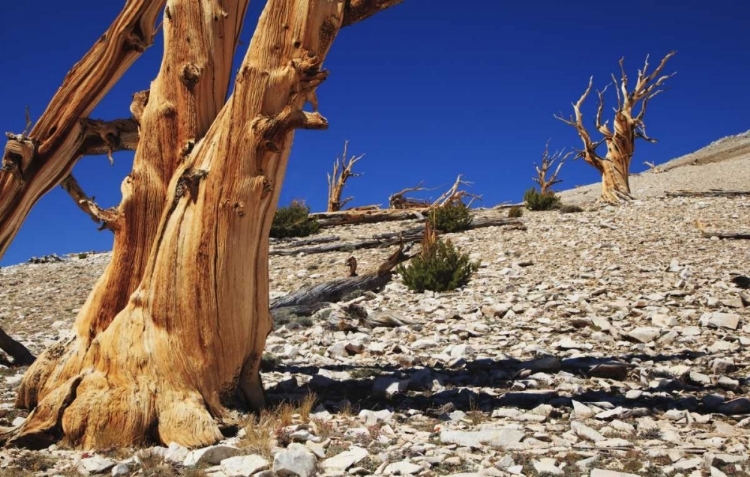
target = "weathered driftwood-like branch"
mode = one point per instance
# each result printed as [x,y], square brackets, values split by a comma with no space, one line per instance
[342,171]
[548,162]
[36,162]
[409,235]
[455,194]
[707,193]
[106,218]
[20,354]
[358,10]
[368,216]
[721,235]
[334,290]
[400,201]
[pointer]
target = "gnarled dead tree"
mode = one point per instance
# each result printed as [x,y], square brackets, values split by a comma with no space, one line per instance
[173,332]
[548,163]
[627,127]
[342,171]
[400,201]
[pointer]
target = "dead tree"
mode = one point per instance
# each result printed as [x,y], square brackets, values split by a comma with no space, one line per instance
[172,334]
[456,195]
[400,201]
[548,163]
[627,127]
[342,171]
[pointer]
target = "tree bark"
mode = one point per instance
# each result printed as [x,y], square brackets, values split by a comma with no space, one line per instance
[176,113]
[173,333]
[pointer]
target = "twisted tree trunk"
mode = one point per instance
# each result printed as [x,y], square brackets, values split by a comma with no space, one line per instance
[173,333]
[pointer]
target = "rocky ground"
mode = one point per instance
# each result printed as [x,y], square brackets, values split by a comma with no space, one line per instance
[610,342]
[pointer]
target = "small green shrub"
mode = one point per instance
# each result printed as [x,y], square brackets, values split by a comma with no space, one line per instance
[570,209]
[452,217]
[293,221]
[440,267]
[81,256]
[535,200]
[515,212]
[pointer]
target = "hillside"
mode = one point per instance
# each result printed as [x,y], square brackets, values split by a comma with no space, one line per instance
[611,340]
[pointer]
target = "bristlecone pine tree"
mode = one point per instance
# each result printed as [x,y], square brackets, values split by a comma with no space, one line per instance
[342,171]
[172,334]
[628,126]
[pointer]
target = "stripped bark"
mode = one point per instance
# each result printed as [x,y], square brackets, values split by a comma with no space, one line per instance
[173,333]
[369,216]
[627,127]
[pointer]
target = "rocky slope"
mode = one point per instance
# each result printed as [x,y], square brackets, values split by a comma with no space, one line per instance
[611,340]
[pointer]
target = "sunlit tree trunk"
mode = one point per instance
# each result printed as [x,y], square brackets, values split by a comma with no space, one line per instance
[173,332]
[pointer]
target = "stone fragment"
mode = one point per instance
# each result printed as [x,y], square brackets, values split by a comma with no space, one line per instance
[243,465]
[295,461]
[493,438]
[342,461]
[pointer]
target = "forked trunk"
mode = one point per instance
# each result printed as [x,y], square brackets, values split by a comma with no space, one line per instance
[174,331]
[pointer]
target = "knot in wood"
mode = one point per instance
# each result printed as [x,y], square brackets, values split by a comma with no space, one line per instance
[190,74]
[18,153]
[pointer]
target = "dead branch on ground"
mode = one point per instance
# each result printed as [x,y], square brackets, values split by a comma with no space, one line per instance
[722,235]
[707,193]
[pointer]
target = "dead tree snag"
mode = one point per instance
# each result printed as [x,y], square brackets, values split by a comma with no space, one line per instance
[342,171]
[627,127]
[548,163]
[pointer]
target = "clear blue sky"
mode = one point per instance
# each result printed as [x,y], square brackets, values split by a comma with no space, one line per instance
[428,90]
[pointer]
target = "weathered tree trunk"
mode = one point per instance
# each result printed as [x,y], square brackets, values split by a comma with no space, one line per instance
[174,330]
[620,141]
[20,354]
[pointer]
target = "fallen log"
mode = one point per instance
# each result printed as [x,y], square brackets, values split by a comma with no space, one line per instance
[722,235]
[334,290]
[20,354]
[389,239]
[707,193]
[366,216]
[302,243]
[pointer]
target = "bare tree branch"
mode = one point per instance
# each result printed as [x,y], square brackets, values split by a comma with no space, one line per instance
[358,10]
[107,218]
[589,147]
[548,162]
[342,171]
[46,157]
[455,194]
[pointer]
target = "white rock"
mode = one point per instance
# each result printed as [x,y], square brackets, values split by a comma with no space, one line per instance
[586,432]
[375,417]
[610,473]
[120,469]
[95,465]
[388,386]
[296,460]
[720,320]
[547,466]
[402,468]
[581,410]
[645,334]
[210,455]
[340,462]
[243,465]
[493,438]
[687,464]
[176,453]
